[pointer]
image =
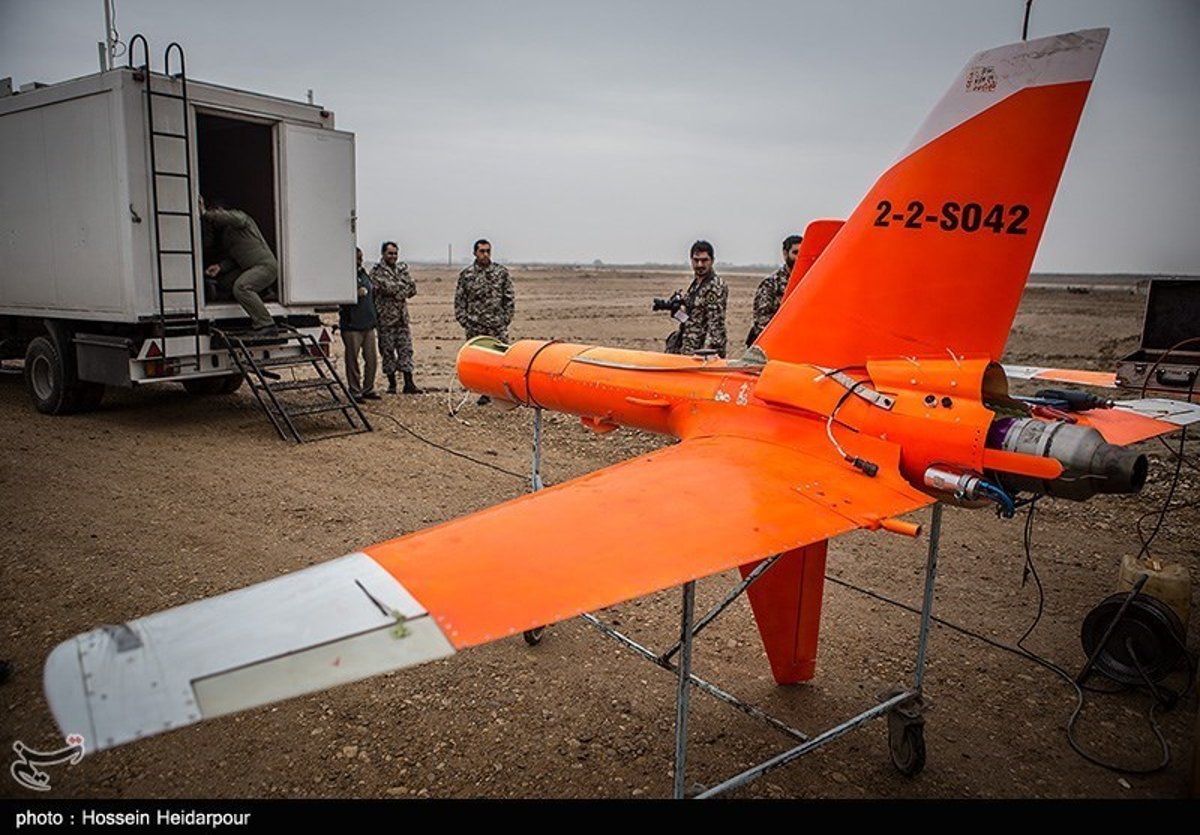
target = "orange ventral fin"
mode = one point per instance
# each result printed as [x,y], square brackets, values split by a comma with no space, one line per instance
[936,256]
[786,601]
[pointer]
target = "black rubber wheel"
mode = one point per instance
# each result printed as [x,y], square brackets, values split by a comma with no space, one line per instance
[533,637]
[46,375]
[906,743]
[208,386]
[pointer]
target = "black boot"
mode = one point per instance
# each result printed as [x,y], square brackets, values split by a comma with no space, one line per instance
[409,386]
[391,383]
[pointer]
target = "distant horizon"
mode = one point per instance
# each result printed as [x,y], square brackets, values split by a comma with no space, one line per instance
[765,268]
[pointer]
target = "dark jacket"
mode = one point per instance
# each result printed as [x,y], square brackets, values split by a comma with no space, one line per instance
[360,316]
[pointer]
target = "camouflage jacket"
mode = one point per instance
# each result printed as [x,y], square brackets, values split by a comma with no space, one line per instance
[767,300]
[484,300]
[393,285]
[704,303]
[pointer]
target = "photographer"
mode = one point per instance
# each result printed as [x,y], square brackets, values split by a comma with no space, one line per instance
[701,310]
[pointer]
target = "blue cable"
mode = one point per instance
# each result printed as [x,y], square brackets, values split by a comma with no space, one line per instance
[1008,507]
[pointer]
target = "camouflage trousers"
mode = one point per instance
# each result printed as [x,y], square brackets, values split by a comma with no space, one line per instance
[395,346]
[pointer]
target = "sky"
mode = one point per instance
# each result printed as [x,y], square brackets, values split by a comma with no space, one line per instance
[622,131]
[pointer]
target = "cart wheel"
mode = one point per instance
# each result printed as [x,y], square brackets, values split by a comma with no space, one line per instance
[533,637]
[906,742]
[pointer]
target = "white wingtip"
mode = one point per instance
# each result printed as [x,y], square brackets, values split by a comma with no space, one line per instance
[323,626]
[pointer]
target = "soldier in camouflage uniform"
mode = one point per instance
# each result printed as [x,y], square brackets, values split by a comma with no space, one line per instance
[704,305]
[769,295]
[393,287]
[484,300]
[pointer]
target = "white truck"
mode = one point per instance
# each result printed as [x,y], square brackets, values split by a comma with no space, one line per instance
[101,260]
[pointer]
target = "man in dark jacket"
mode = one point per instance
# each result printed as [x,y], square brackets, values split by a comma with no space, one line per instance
[357,323]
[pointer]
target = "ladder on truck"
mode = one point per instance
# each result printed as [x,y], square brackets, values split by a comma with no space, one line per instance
[178,305]
[319,391]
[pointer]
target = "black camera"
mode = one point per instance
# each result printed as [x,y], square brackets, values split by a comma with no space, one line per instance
[672,304]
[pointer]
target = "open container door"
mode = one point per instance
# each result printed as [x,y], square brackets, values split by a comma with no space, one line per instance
[317,193]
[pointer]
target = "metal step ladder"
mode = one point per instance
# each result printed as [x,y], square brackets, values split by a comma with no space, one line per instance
[284,400]
[181,316]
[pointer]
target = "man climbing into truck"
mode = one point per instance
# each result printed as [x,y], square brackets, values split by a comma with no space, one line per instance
[244,256]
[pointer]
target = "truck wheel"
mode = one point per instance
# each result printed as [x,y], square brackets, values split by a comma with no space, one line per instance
[206,386]
[46,381]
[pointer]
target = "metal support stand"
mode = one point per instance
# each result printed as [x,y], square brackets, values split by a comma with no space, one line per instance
[733,595]
[535,476]
[935,535]
[681,697]
[908,752]
[533,637]
[902,708]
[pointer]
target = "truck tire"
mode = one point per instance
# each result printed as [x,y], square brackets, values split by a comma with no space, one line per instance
[46,375]
[207,386]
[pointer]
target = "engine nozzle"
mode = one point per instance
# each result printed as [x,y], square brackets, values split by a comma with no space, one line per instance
[1091,465]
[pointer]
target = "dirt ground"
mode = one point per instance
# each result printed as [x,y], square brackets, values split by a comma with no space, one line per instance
[160,498]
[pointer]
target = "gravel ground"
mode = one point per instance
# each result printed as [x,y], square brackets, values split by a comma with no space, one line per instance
[160,498]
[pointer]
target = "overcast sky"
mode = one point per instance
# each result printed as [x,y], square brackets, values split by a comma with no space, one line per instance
[569,131]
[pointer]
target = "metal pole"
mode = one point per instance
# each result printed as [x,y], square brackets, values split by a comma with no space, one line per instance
[708,687]
[729,598]
[108,37]
[935,534]
[685,670]
[800,750]
[535,477]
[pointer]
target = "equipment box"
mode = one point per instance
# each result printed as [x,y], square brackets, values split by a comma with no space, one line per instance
[1169,357]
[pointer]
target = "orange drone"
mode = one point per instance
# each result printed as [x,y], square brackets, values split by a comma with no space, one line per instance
[875,391]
